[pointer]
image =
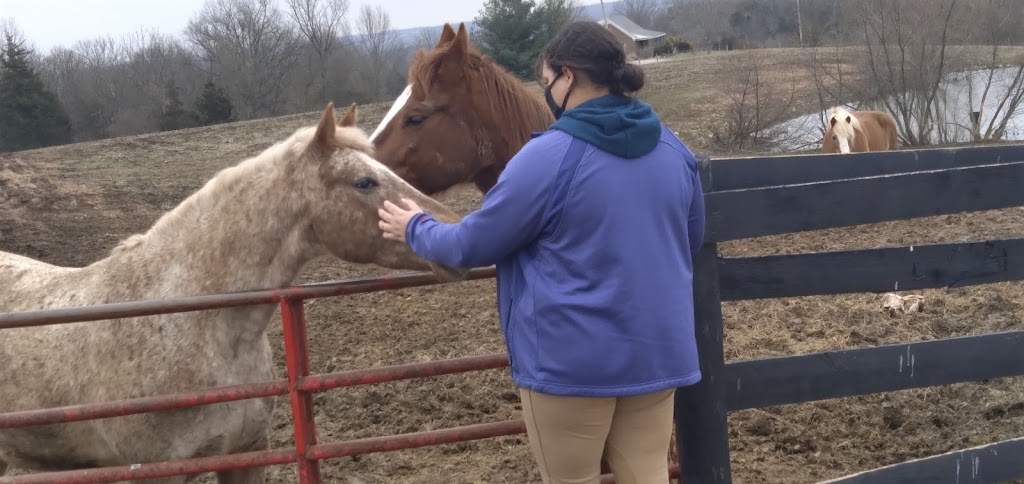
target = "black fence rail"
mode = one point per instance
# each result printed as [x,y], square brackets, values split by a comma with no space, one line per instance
[987,464]
[754,197]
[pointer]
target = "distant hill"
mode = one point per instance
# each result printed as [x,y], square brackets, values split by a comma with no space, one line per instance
[411,35]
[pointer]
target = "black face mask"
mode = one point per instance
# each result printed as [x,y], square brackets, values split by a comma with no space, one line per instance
[556,109]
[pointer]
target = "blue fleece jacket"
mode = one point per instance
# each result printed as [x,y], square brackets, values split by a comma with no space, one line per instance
[593,226]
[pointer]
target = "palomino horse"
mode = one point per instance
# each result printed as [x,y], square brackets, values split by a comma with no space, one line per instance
[859,131]
[252,226]
[460,120]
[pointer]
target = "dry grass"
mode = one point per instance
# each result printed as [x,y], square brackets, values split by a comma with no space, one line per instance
[70,205]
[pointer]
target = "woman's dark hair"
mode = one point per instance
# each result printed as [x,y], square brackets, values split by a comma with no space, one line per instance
[591,48]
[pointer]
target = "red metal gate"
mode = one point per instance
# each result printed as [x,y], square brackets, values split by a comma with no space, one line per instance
[300,386]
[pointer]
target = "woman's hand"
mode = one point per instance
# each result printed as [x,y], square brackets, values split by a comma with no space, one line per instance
[395,219]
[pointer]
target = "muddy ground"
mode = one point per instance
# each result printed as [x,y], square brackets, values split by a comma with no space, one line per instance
[70,205]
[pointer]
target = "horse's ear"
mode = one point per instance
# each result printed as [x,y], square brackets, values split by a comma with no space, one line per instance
[461,43]
[324,137]
[350,116]
[447,35]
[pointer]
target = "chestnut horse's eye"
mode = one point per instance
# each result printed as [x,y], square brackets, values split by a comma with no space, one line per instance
[415,120]
[366,183]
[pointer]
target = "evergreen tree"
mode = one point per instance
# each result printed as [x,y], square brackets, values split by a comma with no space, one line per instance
[30,115]
[513,32]
[174,114]
[507,35]
[214,106]
[553,15]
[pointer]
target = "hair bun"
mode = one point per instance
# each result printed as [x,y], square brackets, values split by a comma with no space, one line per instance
[629,77]
[619,73]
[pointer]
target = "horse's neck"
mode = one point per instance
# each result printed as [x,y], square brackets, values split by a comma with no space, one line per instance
[497,149]
[495,153]
[239,232]
[508,129]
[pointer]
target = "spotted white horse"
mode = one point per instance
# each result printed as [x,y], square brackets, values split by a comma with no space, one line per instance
[253,226]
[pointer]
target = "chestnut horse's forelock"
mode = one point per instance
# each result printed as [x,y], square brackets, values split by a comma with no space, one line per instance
[493,110]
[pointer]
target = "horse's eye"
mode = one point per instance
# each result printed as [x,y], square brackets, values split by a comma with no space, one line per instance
[366,183]
[415,120]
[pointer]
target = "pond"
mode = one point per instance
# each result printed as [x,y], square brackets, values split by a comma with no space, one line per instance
[957,103]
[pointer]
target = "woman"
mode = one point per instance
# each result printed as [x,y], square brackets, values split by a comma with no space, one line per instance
[593,226]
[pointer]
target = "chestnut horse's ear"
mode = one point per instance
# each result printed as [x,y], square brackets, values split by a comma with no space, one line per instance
[350,116]
[460,45]
[324,137]
[447,35]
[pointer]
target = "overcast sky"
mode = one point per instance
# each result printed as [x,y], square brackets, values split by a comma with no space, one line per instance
[48,23]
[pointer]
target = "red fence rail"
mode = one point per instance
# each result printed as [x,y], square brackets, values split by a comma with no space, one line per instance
[299,386]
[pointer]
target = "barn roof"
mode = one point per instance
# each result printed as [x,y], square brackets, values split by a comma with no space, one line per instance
[630,28]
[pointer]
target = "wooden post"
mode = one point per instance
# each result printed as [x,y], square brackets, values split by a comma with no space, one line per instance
[799,23]
[702,426]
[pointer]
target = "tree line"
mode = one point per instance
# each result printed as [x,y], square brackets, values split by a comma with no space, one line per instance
[246,59]
[236,60]
[741,24]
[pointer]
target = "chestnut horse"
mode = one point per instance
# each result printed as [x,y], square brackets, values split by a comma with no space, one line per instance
[460,120]
[859,131]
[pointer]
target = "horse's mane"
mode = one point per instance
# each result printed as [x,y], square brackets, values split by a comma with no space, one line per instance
[841,128]
[507,98]
[291,148]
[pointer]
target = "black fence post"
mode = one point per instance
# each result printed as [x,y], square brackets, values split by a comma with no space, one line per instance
[702,426]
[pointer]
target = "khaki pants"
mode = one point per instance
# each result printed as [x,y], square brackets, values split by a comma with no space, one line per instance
[568,436]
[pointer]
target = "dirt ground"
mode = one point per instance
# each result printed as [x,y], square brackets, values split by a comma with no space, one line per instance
[70,205]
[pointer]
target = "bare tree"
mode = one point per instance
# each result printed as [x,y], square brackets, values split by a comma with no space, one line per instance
[837,79]
[152,59]
[427,38]
[249,48]
[641,12]
[113,87]
[818,21]
[909,64]
[380,49]
[757,108]
[322,23]
[704,20]
[58,69]
[374,26]
[995,85]
[909,50]
[95,93]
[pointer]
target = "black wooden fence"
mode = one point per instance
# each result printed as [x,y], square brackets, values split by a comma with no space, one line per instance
[753,197]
